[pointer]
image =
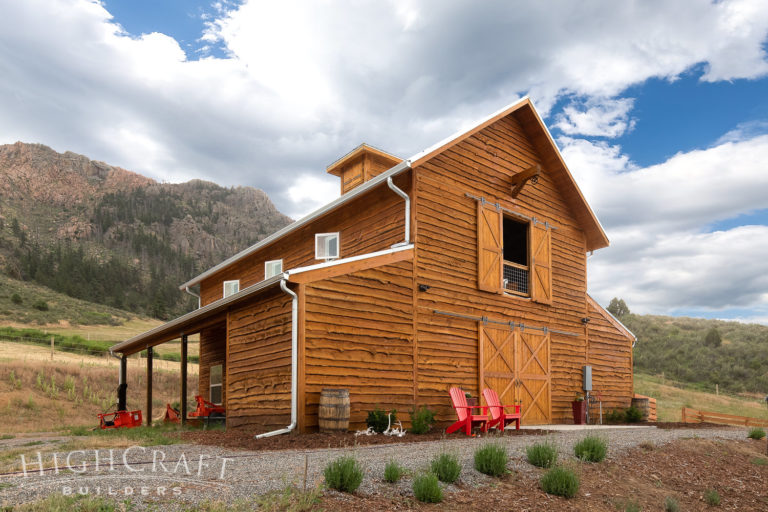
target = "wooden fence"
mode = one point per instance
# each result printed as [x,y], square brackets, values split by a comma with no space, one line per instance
[651,407]
[695,416]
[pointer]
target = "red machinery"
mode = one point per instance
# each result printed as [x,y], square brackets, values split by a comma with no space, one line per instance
[171,415]
[120,419]
[207,409]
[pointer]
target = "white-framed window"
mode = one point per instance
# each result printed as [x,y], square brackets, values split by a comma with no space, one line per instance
[272,268]
[215,388]
[326,246]
[231,287]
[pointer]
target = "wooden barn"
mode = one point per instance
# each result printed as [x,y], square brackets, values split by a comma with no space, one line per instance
[465,265]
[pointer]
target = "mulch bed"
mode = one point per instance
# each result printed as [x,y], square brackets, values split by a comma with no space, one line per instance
[244,440]
[294,441]
[678,424]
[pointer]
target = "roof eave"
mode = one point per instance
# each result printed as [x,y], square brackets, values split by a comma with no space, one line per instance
[134,344]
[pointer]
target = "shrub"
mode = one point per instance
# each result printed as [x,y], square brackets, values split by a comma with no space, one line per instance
[393,472]
[422,420]
[615,416]
[712,497]
[343,474]
[491,459]
[378,420]
[671,505]
[591,449]
[756,433]
[633,415]
[542,455]
[446,467]
[631,506]
[427,489]
[40,305]
[16,298]
[561,482]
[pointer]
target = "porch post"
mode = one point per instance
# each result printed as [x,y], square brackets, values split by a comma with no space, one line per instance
[183,400]
[149,386]
[121,389]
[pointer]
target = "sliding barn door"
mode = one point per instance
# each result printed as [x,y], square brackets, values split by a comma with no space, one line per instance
[516,364]
[534,377]
[497,361]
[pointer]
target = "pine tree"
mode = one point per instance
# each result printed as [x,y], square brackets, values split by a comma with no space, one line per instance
[618,307]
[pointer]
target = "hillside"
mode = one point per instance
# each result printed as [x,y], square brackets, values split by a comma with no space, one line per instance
[32,304]
[110,236]
[702,352]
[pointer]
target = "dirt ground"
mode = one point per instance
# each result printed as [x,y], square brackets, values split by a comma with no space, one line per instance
[683,470]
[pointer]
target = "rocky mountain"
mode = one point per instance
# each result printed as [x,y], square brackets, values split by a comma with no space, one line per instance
[108,235]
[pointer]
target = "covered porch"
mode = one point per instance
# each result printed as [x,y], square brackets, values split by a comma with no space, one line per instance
[210,323]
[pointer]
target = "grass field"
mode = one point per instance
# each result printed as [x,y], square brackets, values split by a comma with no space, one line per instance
[672,397]
[37,394]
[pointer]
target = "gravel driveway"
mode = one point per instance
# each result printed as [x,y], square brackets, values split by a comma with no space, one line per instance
[178,476]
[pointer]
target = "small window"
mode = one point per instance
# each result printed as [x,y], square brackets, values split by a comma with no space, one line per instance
[516,270]
[326,246]
[215,386]
[272,268]
[231,288]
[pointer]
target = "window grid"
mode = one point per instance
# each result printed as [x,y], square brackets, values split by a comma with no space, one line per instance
[516,278]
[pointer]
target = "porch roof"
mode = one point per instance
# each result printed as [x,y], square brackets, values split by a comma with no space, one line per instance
[191,322]
[215,312]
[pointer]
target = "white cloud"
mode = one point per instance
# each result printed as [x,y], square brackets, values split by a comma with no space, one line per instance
[662,259]
[305,82]
[399,75]
[599,117]
[311,190]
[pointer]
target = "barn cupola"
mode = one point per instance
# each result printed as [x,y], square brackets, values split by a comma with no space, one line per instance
[360,165]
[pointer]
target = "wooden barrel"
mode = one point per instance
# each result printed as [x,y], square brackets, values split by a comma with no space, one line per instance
[333,414]
[644,405]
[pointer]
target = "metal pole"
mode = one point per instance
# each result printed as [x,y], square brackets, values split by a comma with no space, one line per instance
[149,386]
[123,387]
[183,406]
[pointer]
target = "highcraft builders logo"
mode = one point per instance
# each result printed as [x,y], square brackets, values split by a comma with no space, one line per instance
[134,471]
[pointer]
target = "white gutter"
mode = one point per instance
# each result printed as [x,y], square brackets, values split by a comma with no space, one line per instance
[334,263]
[294,363]
[407,199]
[355,192]
[186,289]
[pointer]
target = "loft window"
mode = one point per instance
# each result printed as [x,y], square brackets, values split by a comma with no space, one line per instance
[513,257]
[515,253]
[326,246]
[272,268]
[231,287]
[215,384]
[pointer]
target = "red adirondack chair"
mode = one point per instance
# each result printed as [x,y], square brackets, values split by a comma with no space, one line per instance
[467,420]
[499,418]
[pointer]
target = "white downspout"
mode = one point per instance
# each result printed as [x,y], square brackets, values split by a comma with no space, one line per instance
[186,289]
[407,212]
[294,362]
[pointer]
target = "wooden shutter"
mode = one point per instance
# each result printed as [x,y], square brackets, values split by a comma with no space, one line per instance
[489,247]
[541,263]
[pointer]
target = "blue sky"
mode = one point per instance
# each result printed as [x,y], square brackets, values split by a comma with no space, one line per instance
[183,20]
[659,108]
